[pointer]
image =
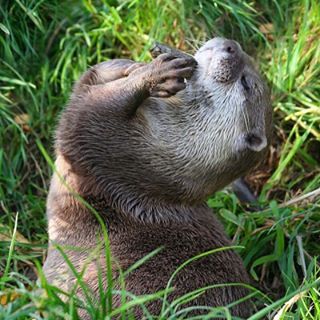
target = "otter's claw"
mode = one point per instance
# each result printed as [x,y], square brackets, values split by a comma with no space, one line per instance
[159,49]
[169,74]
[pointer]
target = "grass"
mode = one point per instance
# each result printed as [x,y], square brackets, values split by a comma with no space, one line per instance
[46,45]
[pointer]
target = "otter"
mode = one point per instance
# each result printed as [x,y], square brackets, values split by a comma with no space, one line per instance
[146,144]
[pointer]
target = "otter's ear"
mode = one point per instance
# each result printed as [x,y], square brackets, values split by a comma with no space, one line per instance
[256,141]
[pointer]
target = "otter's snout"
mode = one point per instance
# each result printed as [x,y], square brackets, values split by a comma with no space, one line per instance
[227,61]
[223,59]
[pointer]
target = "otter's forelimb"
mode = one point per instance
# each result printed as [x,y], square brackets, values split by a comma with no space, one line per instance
[124,84]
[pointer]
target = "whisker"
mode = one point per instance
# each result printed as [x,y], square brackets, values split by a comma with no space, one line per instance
[246,118]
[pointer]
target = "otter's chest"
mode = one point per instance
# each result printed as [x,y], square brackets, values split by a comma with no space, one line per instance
[176,246]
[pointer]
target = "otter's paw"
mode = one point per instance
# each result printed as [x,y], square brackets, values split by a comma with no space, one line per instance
[169,73]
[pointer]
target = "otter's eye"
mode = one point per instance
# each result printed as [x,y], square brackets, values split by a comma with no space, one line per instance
[245,83]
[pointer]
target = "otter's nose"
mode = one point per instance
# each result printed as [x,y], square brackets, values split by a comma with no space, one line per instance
[230,47]
[226,49]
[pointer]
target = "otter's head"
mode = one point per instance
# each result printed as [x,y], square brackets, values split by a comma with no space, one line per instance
[218,128]
[235,87]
